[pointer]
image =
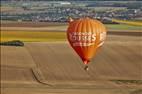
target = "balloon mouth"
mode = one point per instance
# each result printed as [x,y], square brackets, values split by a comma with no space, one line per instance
[86,62]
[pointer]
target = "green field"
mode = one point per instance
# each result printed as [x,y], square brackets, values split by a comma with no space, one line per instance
[123,27]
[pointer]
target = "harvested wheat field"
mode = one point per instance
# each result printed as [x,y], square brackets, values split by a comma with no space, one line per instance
[54,68]
[46,64]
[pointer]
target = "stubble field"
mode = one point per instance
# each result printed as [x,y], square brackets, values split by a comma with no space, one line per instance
[48,65]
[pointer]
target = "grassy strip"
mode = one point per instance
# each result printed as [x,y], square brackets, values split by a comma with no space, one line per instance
[123,27]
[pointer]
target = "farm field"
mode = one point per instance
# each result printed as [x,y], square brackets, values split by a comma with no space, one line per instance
[36,57]
[46,64]
[43,74]
[41,32]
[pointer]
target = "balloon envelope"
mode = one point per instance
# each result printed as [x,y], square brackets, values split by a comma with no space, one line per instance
[86,36]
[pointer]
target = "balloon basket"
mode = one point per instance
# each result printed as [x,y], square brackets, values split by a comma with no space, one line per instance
[86,68]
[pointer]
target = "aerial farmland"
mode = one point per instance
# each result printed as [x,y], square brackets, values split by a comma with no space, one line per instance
[45,63]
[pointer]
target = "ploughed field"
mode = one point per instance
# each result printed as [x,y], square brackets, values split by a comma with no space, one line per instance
[52,67]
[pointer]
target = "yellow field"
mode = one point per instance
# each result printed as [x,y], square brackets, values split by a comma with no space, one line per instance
[28,36]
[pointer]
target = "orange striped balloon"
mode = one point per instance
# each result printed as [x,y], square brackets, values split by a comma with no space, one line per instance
[86,36]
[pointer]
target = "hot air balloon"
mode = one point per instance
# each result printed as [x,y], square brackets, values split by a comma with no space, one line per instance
[85,36]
